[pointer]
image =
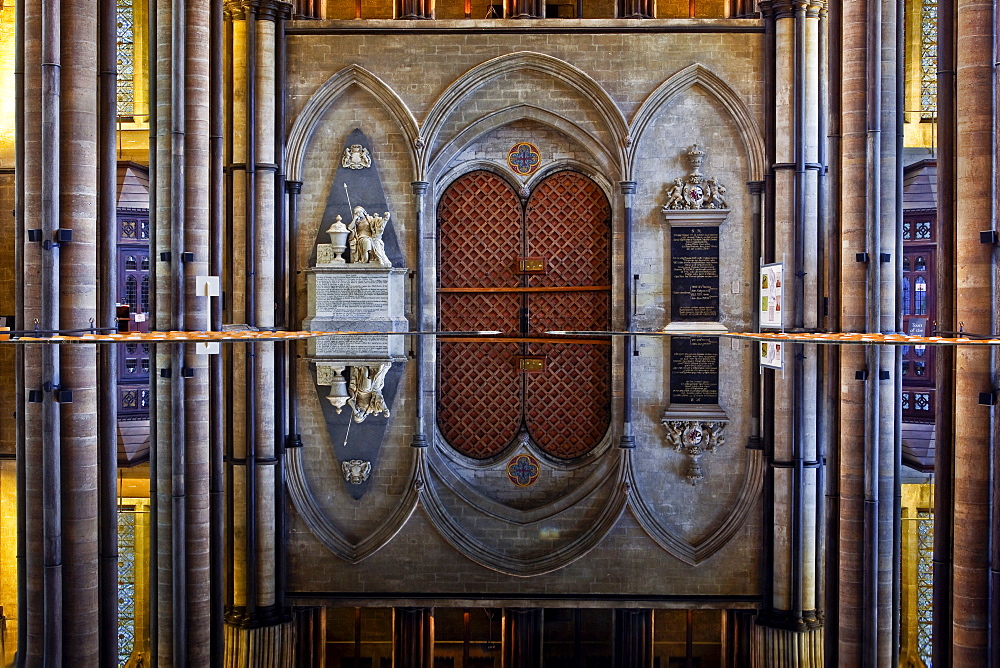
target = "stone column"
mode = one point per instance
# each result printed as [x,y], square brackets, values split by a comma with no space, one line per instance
[975,152]
[633,638]
[256,613]
[182,251]
[865,196]
[790,628]
[60,291]
[414,637]
[526,9]
[522,637]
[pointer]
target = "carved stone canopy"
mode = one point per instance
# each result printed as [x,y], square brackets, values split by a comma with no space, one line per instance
[695,191]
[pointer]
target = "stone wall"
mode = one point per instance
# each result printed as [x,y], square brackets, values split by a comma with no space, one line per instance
[617,104]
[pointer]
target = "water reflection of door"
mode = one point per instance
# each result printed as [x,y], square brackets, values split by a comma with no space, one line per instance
[524,268]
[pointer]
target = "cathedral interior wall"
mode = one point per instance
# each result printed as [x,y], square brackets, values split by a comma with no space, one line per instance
[570,129]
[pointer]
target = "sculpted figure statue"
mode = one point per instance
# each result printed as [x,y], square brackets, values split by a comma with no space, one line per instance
[364,392]
[675,196]
[714,197]
[366,237]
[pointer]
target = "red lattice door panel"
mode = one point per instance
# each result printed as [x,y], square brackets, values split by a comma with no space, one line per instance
[568,406]
[484,233]
[480,231]
[479,396]
[568,222]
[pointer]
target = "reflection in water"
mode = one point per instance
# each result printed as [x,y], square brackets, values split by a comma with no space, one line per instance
[360,387]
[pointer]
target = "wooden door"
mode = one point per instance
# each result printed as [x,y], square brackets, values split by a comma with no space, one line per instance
[525,269]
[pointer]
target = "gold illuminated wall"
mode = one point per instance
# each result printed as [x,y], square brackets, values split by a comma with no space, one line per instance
[8,498]
[919,119]
[917,521]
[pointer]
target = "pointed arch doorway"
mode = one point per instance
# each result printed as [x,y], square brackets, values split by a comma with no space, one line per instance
[524,267]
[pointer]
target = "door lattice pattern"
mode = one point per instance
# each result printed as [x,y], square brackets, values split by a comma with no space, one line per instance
[463,312]
[480,230]
[567,409]
[483,398]
[573,311]
[568,222]
[479,396]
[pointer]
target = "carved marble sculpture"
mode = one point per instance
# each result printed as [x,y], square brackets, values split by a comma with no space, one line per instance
[356,156]
[365,239]
[356,471]
[694,191]
[364,392]
[694,438]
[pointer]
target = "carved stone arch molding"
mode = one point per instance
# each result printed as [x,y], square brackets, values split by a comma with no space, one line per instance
[441,171]
[729,525]
[583,83]
[716,88]
[324,99]
[327,532]
[445,516]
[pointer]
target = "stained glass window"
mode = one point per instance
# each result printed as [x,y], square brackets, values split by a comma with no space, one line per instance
[920,292]
[144,294]
[128,229]
[131,292]
[924,229]
[126,584]
[126,58]
[925,584]
[928,59]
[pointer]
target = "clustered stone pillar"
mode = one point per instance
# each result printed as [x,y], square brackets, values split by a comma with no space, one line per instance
[60,292]
[413,633]
[256,622]
[181,451]
[966,606]
[789,629]
[862,552]
[522,637]
[633,638]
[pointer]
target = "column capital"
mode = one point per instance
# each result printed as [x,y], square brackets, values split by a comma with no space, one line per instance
[786,9]
[628,187]
[293,187]
[266,10]
[419,187]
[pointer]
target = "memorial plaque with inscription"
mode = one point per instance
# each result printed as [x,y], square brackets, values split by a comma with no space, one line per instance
[694,370]
[352,296]
[694,273]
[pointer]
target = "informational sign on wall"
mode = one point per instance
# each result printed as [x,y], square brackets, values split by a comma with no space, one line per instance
[771,278]
[770,354]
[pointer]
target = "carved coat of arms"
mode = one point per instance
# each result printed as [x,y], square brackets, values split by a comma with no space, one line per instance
[356,156]
[356,471]
[694,191]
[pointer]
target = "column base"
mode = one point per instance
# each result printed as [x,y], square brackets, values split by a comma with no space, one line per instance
[787,648]
[259,642]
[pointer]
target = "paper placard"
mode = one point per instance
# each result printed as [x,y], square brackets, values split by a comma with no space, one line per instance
[771,280]
[771,354]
